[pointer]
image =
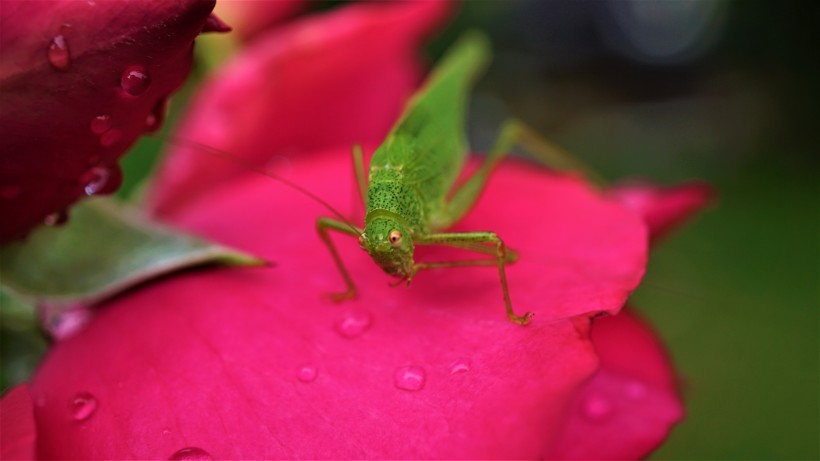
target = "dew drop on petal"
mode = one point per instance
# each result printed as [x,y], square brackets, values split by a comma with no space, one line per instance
[83,405]
[153,121]
[166,432]
[95,179]
[307,373]
[635,390]
[58,54]
[56,219]
[410,378]
[596,408]
[110,137]
[135,80]
[353,324]
[460,365]
[100,124]
[191,454]
[9,191]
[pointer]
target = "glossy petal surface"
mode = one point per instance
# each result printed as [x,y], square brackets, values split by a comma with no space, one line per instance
[215,357]
[79,81]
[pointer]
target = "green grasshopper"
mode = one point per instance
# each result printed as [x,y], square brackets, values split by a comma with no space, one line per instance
[409,200]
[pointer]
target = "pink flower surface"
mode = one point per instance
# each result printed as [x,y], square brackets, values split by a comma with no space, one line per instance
[80,82]
[227,363]
[249,18]
[663,208]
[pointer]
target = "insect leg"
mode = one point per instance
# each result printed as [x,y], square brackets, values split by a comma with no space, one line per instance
[474,241]
[546,152]
[513,133]
[323,225]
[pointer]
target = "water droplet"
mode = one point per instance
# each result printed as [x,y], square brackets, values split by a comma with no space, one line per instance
[110,137]
[596,408]
[154,120]
[307,374]
[191,454]
[94,179]
[353,323]
[56,219]
[100,124]
[410,378]
[460,365]
[135,80]
[83,406]
[166,432]
[9,192]
[635,390]
[58,55]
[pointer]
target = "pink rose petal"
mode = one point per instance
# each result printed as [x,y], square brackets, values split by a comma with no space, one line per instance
[664,208]
[631,403]
[18,433]
[332,80]
[216,359]
[79,80]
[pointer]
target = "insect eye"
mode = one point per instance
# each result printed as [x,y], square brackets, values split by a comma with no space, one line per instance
[395,238]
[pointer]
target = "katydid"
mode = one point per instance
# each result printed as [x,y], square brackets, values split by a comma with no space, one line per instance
[408,195]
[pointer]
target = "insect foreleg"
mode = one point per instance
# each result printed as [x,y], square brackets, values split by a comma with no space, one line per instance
[473,241]
[323,225]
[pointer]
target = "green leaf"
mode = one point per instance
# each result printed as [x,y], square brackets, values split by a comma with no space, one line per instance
[104,249]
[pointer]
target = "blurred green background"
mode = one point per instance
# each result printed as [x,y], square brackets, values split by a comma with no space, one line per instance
[678,90]
[672,91]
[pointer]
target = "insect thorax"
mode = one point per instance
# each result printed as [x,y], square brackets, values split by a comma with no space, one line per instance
[387,191]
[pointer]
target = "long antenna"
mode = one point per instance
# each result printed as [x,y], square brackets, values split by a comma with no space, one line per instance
[257,169]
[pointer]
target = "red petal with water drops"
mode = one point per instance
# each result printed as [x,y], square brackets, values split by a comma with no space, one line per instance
[255,363]
[331,80]
[664,208]
[79,80]
[18,434]
[631,403]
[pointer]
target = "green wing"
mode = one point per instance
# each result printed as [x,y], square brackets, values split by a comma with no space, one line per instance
[428,143]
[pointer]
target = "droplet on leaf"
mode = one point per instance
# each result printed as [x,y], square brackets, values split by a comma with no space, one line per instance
[191,454]
[460,365]
[353,323]
[100,124]
[58,54]
[410,378]
[307,373]
[95,179]
[83,406]
[135,80]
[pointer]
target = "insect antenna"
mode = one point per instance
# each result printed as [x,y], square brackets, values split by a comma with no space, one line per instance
[257,169]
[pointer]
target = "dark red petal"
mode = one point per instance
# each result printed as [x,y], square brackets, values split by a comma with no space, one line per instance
[332,80]
[18,433]
[664,208]
[631,403]
[245,363]
[79,80]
